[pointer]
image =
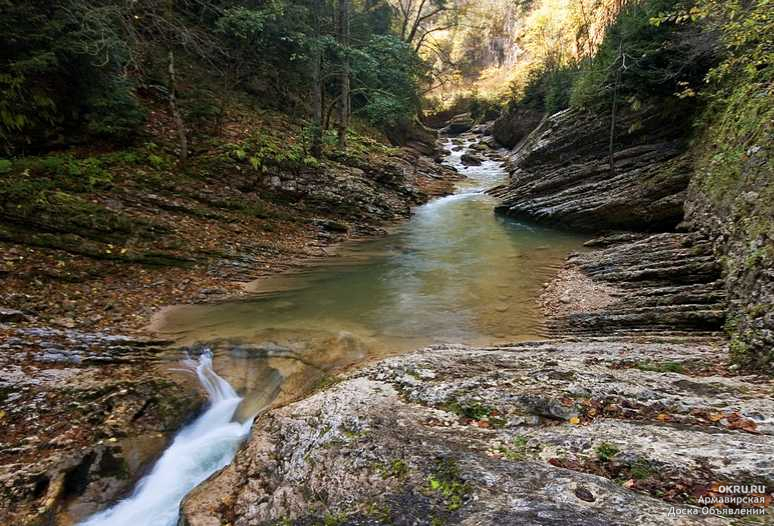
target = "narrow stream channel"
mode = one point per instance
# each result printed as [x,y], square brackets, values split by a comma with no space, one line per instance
[454,273]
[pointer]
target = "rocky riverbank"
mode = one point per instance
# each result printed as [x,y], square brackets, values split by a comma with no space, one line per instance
[634,408]
[659,179]
[83,416]
[547,433]
[87,400]
[640,285]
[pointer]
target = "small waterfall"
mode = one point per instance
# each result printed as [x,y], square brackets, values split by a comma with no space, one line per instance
[199,450]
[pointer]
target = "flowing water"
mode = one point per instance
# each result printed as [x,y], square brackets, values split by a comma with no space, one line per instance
[199,450]
[455,273]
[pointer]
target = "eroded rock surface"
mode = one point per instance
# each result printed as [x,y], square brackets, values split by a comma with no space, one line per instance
[527,434]
[514,125]
[561,174]
[83,415]
[665,285]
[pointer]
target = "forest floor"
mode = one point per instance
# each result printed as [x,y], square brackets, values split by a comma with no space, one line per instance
[100,241]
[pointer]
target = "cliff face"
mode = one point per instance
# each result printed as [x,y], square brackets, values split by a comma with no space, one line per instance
[731,199]
[719,186]
[514,125]
[561,174]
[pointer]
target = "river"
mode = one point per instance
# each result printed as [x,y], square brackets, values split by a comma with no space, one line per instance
[454,273]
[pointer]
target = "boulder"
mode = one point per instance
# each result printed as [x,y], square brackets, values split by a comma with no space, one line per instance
[458,124]
[469,159]
[514,125]
[12,316]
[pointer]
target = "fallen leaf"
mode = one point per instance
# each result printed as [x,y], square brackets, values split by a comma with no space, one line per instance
[574,421]
[745,424]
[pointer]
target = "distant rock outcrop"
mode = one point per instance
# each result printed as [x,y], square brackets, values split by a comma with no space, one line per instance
[560,174]
[458,124]
[514,125]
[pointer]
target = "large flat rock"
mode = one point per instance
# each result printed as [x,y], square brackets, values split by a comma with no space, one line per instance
[544,433]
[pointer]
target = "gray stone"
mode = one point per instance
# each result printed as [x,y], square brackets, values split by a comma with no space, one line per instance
[12,316]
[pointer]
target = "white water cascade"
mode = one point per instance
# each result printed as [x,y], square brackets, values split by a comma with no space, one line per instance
[199,450]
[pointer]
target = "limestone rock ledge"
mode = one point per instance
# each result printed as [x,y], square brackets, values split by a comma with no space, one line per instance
[661,285]
[525,434]
[560,174]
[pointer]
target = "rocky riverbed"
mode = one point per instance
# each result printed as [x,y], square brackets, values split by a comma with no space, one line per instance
[632,414]
[633,411]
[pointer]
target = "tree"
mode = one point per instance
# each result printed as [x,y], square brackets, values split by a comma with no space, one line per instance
[419,19]
[317,81]
[343,30]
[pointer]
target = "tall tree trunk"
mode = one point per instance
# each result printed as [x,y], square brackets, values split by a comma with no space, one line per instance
[343,33]
[317,86]
[176,115]
[618,69]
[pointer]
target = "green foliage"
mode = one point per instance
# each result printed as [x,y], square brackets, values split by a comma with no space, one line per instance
[734,157]
[645,55]
[71,71]
[263,152]
[112,111]
[642,469]
[475,411]
[517,451]
[549,91]
[446,480]
[654,60]
[61,69]
[396,469]
[245,24]
[481,108]
[387,74]
[605,451]
[661,367]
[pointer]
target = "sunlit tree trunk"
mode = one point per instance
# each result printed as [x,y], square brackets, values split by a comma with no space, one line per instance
[176,115]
